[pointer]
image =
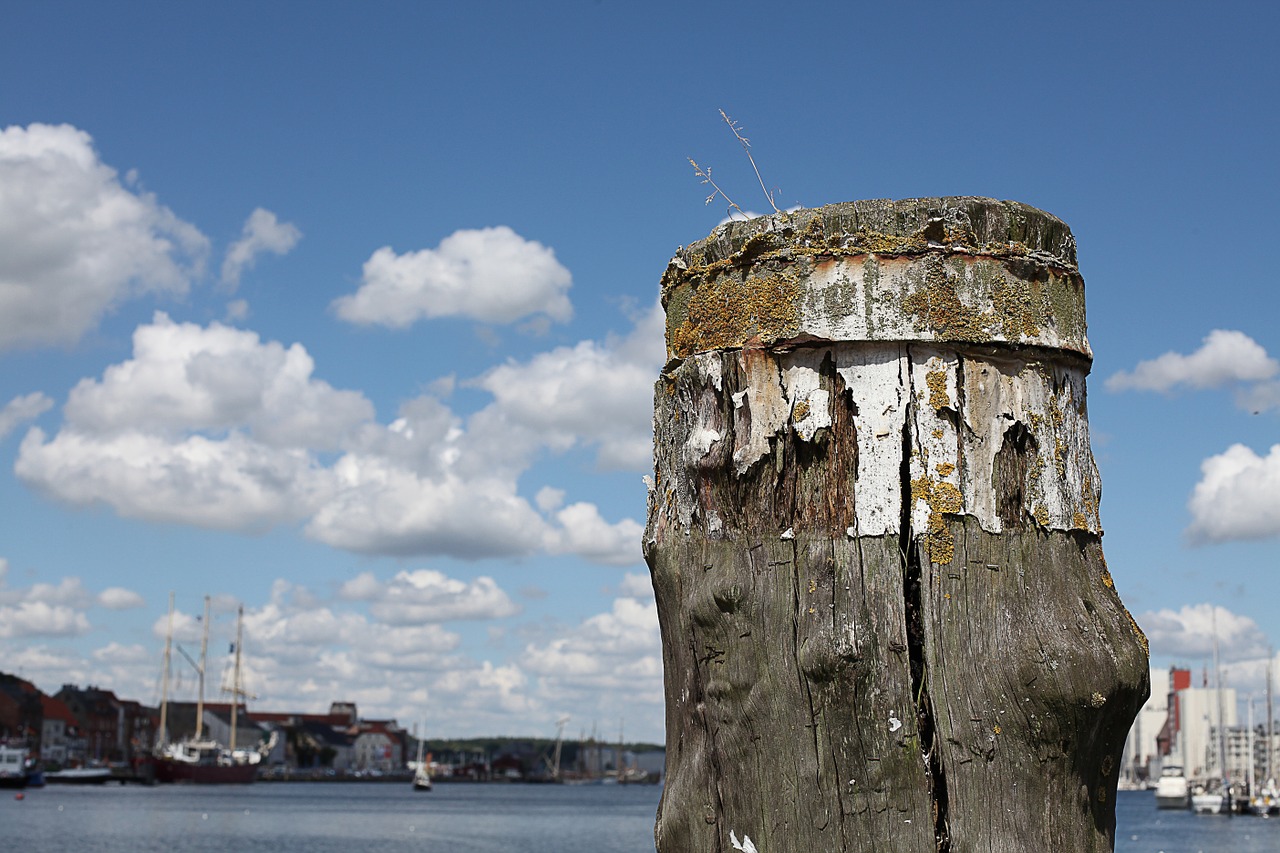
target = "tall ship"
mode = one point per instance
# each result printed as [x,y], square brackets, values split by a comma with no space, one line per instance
[198,759]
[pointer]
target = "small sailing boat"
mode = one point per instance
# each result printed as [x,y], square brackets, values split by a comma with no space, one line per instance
[1216,799]
[422,770]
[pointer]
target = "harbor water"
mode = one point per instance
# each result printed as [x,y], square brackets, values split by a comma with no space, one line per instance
[1142,828]
[338,817]
[342,817]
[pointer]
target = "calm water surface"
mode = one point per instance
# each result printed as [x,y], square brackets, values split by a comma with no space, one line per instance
[1142,828]
[342,817]
[338,817]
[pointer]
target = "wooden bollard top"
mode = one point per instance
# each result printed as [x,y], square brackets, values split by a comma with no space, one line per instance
[964,270]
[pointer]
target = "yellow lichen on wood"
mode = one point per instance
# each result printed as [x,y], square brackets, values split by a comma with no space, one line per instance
[726,311]
[936,307]
[943,499]
[939,399]
[1090,502]
[1016,309]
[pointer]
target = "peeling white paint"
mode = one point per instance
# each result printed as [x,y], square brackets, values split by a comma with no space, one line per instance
[936,450]
[873,373]
[988,393]
[766,405]
[1047,400]
[699,443]
[709,369]
[810,402]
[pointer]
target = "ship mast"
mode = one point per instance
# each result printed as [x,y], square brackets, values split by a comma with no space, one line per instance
[162,735]
[1222,735]
[204,654]
[236,690]
[1271,773]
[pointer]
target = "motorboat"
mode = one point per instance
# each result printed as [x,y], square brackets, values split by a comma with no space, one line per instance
[15,767]
[1172,790]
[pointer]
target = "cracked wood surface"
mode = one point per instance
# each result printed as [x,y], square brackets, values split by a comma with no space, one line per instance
[886,619]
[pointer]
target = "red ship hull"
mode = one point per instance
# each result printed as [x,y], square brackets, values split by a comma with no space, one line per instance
[205,774]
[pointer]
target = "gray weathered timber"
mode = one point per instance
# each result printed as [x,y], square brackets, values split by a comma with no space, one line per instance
[875,543]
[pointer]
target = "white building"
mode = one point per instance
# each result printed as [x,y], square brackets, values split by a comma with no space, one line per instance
[1141,748]
[1198,712]
[1240,747]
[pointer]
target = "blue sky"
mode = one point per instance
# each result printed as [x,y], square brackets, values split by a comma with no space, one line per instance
[347,312]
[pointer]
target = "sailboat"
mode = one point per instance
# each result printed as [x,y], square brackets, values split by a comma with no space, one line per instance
[1208,800]
[1266,800]
[202,760]
[422,770]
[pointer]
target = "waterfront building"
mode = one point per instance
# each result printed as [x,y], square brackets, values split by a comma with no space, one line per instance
[60,741]
[378,745]
[1142,756]
[1188,734]
[1241,748]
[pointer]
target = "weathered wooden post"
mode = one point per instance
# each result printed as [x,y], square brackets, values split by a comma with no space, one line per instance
[873,532]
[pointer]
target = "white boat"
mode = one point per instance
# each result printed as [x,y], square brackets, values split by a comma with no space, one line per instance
[15,767]
[422,769]
[1172,791]
[422,779]
[1206,801]
[1267,800]
[1215,797]
[79,776]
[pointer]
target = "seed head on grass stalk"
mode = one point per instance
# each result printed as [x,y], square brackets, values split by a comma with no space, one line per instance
[705,173]
[746,146]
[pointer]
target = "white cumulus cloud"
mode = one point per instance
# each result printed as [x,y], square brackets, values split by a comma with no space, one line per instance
[381,508]
[1259,397]
[1238,496]
[185,377]
[592,393]
[639,586]
[618,653]
[212,426]
[492,275]
[1225,357]
[424,595]
[1188,633]
[19,410]
[583,531]
[119,598]
[232,484]
[39,619]
[75,241]
[262,233]
[43,609]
